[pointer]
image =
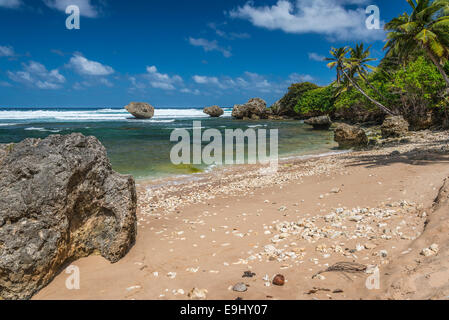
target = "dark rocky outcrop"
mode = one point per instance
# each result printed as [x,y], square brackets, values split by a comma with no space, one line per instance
[394,127]
[286,105]
[60,200]
[359,114]
[349,136]
[254,109]
[140,110]
[214,111]
[320,123]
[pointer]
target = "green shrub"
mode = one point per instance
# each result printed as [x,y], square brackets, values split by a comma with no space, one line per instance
[319,100]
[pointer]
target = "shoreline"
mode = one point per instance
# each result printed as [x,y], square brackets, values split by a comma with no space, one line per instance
[365,207]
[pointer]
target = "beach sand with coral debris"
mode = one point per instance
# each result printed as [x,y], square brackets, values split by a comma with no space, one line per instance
[229,232]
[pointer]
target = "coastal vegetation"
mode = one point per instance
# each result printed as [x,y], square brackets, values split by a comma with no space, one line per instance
[411,80]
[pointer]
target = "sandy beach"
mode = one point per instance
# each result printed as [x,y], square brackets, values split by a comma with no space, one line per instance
[234,225]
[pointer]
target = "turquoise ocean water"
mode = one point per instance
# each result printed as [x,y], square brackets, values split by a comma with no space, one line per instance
[142,147]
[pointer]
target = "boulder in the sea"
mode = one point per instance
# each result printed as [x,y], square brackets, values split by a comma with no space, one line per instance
[350,136]
[394,127]
[214,111]
[140,110]
[60,200]
[254,109]
[320,123]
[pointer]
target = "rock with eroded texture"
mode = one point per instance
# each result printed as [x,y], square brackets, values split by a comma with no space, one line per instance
[214,111]
[140,110]
[350,136]
[60,200]
[394,127]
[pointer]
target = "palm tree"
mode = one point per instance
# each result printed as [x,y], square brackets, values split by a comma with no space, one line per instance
[359,63]
[338,60]
[426,28]
[346,70]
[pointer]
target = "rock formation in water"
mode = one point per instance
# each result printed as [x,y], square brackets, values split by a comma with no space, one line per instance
[320,123]
[254,109]
[214,111]
[140,110]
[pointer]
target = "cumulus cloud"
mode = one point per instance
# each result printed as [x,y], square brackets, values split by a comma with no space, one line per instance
[36,74]
[210,46]
[12,4]
[251,81]
[87,67]
[316,57]
[195,92]
[332,18]
[87,9]
[162,81]
[6,51]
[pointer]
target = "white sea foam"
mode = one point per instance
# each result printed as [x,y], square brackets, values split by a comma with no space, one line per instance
[160,115]
[41,129]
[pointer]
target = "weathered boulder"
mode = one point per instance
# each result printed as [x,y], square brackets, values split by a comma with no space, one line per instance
[394,127]
[320,123]
[60,200]
[350,136]
[214,111]
[254,109]
[140,110]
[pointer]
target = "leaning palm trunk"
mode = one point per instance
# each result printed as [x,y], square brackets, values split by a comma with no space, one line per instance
[438,65]
[381,106]
[372,87]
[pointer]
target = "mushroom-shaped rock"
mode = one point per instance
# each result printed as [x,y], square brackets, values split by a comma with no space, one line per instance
[214,111]
[140,110]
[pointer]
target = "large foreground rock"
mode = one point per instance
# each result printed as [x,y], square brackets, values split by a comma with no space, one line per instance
[59,201]
[394,127]
[214,111]
[350,136]
[320,123]
[140,110]
[254,109]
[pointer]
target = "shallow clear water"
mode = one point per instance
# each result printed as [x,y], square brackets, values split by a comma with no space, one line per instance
[142,147]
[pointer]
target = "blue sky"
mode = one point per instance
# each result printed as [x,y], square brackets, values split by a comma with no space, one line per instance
[173,53]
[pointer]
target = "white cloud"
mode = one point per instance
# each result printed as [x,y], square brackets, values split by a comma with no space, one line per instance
[328,17]
[12,4]
[195,92]
[206,80]
[6,51]
[36,74]
[316,57]
[210,46]
[89,68]
[226,35]
[251,81]
[86,7]
[161,80]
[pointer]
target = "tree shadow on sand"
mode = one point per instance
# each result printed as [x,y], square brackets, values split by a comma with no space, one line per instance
[431,153]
